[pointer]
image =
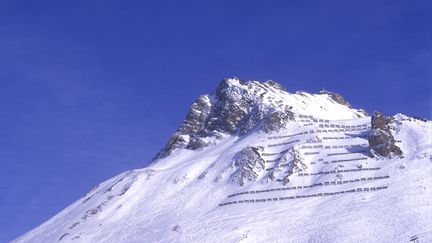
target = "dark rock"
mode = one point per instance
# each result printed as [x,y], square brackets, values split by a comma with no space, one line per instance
[420,118]
[177,228]
[176,141]
[236,107]
[285,180]
[249,164]
[196,143]
[271,175]
[336,97]
[197,116]
[296,163]
[277,120]
[232,108]
[276,85]
[381,140]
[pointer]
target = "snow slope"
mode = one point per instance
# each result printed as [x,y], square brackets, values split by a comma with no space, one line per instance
[312,181]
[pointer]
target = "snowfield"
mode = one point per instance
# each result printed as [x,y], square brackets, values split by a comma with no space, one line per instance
[337,192]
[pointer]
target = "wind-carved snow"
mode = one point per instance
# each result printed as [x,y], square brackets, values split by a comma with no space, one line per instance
[305,174]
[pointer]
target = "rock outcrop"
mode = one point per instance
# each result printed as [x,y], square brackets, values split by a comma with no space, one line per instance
[336,97]
[295,163]
[238,107]
[277,120]
[381,140]
[234,107]
[249,164]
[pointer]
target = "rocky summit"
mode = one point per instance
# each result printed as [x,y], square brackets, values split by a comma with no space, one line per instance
[254,162]
[237,107]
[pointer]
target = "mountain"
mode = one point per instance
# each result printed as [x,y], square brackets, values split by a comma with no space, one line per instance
[253,162]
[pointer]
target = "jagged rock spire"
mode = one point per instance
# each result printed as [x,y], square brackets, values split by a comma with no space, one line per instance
[381,140]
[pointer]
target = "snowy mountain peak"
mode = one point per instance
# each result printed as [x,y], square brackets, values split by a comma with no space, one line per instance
[238,107]
[254,163]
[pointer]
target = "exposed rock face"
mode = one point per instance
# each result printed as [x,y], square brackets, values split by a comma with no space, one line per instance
[336,97]
[236,107]
[277,120]
[196,143]
[296,163]
[276,85]
[197,116]
[249,164]
[233,108]
[364,112]
[176,141]
[381,140]
[187,135]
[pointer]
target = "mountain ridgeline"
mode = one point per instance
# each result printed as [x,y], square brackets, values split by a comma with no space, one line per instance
[253,162]
[237,107]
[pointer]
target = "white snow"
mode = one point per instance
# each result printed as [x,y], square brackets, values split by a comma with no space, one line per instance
[177,199]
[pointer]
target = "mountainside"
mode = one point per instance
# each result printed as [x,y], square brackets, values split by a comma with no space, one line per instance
[253,162]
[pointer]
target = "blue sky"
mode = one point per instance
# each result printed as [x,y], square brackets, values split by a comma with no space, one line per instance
[89,89]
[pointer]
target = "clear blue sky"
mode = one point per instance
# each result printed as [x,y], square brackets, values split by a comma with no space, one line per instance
[89,89]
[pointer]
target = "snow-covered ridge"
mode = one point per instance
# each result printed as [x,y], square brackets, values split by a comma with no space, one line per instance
[241,106]
[285,171]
